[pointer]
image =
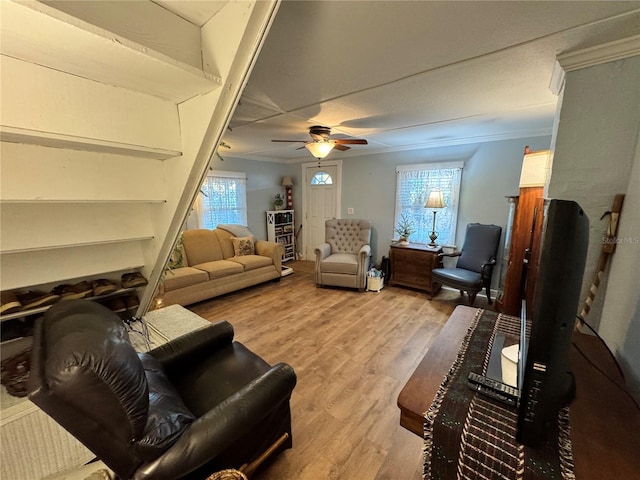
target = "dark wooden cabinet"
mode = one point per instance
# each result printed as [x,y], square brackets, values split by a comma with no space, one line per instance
[519,270]
[411,266]
[524,243]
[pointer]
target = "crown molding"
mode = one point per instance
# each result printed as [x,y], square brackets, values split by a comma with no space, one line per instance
[556,84]
[607,52]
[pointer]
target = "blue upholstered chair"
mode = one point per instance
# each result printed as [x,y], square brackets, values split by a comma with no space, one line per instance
[475,262]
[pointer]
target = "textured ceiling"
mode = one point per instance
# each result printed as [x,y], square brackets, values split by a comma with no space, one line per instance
[415,74]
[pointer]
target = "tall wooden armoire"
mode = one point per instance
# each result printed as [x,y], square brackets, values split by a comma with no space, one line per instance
[522,239]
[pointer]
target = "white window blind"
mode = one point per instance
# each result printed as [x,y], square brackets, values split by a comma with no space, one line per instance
[414,182]
[223,199]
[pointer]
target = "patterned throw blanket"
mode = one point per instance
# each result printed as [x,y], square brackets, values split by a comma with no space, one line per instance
[470,436]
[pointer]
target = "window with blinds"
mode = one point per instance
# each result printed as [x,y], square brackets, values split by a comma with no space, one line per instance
[414,183]
[223,199]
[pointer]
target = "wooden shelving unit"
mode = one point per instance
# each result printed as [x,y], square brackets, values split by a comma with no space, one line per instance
[58,140]
[39,310]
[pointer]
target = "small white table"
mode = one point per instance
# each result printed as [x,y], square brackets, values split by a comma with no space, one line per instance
[166,324]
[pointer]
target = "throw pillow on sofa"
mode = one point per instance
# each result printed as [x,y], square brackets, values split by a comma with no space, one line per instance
[243,246]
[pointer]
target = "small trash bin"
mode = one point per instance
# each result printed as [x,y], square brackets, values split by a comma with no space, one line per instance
[375,280]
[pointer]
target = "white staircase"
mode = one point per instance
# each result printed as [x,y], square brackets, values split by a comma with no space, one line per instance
[110,114]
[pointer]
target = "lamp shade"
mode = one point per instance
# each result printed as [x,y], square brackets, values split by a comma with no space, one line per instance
[287,182]
[435,200]
[535,169]
[319,149]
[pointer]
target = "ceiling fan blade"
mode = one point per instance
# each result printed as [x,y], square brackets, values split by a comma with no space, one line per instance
[290,141]
[351,141]
[341,147]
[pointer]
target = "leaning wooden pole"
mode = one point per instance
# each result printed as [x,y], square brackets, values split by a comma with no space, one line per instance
[248,469]
[608,247]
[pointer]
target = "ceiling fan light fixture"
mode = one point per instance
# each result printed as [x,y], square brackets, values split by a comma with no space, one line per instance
[319,149]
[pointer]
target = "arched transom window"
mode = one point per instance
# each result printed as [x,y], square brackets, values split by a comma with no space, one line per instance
[322,178]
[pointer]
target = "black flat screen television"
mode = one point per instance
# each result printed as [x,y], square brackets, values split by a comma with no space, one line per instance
[547,385]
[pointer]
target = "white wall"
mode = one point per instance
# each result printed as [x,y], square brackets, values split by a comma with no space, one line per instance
[595,158]
[620,324]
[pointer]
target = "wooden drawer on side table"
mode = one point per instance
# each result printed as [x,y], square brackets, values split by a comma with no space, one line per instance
[411,266]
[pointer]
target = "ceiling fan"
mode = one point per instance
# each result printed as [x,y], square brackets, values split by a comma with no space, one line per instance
[321,145]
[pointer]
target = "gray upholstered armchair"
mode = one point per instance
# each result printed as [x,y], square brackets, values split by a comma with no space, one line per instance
[343,260]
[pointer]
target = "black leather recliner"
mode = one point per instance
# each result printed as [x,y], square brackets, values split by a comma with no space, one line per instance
[196,405]
[476,260]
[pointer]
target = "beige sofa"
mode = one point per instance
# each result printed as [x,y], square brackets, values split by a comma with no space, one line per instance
[213,268]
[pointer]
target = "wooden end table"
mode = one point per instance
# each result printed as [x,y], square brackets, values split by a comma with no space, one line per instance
[411,266]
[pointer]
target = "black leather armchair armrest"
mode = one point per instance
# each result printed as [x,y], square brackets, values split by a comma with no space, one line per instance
[195,344]
[218,428]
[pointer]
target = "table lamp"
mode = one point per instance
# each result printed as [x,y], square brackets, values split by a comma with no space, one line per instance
[535,168]
[435,201]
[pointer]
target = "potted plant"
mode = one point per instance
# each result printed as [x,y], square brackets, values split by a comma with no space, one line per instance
[279,201]
[404,229]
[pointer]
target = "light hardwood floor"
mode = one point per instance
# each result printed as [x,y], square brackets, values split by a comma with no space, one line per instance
[352,353]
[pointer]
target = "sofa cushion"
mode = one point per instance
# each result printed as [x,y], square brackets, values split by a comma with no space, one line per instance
[226,245]
[184,277]
[251,262]
[220,268]
[340,263]
[243,246]
[201,246]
